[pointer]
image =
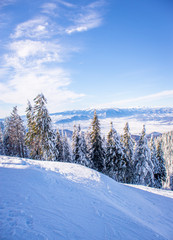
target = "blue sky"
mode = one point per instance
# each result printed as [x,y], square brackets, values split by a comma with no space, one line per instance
[86,54]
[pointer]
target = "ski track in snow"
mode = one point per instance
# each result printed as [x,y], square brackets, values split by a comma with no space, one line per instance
[64,201]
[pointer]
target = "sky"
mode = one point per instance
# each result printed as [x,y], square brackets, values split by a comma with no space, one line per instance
[86,54]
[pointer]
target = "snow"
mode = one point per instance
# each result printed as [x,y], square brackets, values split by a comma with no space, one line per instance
[155,119]
[162,192]
[54,200]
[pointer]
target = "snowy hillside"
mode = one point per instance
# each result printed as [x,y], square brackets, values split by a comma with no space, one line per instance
[63,201]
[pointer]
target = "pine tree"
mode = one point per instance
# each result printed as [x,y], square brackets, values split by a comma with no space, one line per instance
[84,159]
[76,154]
[161,175]
[88,147]
[14,135]
[128,145]
[1,142]
[66,149]
[6,140]
[115,156]
[96,152]
[59,147]
[40,137]
[79,148]
[167,147]
[143,166]
[31,139]
[155,162]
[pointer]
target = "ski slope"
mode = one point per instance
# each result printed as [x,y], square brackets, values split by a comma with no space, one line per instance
[42,200]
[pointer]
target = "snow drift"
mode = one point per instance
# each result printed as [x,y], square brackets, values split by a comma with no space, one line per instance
[63,201]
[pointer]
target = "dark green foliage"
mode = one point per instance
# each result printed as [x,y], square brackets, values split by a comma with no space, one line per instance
[96,151]
[14,135]
[143,166]
[161,173]
[40,137]
[79,148]
[1,142]
[115,156]
[155,162]
[76,145]
[59,147]
[128,145]
[66,150]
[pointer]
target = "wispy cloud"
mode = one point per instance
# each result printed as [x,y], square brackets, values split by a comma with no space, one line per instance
[54,83]
[89,17]
[66,4]
[151,97]
[49,8]
[85,22]
[4,3]
[140,100]
[78,18]
[35,50]
[38,27]
[32,54]
[4,17]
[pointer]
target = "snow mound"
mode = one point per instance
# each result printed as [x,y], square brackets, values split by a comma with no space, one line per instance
[63,201]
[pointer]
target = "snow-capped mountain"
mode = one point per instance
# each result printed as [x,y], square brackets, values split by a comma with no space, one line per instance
[53,200]
[163,114]
[156,119]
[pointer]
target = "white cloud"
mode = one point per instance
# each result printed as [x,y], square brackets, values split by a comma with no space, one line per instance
[139,100]
[34,28]
[30,74]
[33,53]
[35,50]
[77,19]
[4,3]
[49,8]
[54,83]
[88,18]
[151,97]
[66,4]
[85,22]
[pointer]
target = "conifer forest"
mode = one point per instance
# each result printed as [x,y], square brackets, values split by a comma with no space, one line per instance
[145,162]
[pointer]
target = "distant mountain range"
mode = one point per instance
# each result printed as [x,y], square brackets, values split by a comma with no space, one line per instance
[142,114]
[158,120]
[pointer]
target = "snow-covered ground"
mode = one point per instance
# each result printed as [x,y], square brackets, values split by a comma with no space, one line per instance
[63,201]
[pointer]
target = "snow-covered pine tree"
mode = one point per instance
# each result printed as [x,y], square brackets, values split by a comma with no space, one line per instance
[79,149]
[44,130]
[76,151]
[115,157]
[1,142]
[31,138]
[66,149]
[40,136]
[128,145]
[167,147]
[96,152]
[161,175]
[84,159]
[155,162]
[6,140]
[88,148]
[14,135]
[143,166]
[59,147]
